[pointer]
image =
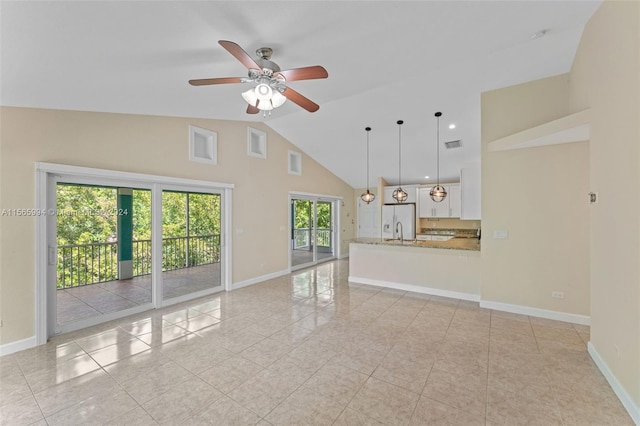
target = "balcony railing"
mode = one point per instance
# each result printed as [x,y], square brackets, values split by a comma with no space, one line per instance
[302,237]
[82,264]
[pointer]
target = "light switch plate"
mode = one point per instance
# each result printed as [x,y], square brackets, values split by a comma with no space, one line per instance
[500,235]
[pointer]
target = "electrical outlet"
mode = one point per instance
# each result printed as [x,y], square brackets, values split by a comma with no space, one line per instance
[557,294]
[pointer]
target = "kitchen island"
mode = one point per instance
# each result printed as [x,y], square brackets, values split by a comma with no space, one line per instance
[445,268]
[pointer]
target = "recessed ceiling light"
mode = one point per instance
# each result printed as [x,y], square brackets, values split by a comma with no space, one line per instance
[452,126]
[426,177]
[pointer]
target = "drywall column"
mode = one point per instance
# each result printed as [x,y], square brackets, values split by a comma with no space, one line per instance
[125,233]
[606,78]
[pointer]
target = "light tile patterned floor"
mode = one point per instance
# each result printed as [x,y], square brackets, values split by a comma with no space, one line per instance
[310,348]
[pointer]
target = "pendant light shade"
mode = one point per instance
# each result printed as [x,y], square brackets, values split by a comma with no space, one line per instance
[368,196]
[399,194]
[438,192]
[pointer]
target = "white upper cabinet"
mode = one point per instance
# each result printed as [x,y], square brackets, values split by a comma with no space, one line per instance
[455,203]
[470,184]
[449,207]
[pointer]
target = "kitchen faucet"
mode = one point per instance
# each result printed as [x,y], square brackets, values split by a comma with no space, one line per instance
[399,226]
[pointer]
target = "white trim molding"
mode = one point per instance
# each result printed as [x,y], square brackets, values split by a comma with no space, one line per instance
[624,397]
[416,289]
[536,312]
[256,280]
[17,346]
[129,176]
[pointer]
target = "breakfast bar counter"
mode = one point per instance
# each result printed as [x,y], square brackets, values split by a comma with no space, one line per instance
[446,268]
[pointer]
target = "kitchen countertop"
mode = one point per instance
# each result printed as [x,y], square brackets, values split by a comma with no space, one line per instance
[472,244]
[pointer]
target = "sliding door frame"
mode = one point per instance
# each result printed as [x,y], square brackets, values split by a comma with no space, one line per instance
[337,203]
[47,174]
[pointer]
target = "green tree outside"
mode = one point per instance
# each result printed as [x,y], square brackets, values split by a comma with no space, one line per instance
[87,231]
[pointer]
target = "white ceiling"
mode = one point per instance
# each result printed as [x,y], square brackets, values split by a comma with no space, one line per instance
[387,60]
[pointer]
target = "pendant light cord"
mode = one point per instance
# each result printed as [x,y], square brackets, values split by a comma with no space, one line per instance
[438,152]
[400,153]
[368,129]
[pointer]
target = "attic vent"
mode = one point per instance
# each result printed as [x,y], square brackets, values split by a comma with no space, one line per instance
[453,144]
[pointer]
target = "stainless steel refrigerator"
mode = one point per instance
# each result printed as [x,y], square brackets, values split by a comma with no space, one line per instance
[403,213]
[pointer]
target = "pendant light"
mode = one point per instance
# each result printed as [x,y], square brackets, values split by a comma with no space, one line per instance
[438,192]
[400,195]
[368,196]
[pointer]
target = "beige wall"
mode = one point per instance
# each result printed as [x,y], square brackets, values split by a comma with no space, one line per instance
[538,195]
[152,145]
[606,78]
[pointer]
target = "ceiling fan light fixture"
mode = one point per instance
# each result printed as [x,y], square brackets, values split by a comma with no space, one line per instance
[250,97]
[263,92]
[277,99]
[269,80]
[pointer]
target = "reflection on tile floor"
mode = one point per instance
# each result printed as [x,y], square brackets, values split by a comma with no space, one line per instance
[304,256]
[310,348]
[111,296]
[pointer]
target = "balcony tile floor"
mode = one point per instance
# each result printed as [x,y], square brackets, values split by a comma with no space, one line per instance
[111,296]
[311,348]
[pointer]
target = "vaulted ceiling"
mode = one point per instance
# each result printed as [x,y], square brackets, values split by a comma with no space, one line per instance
[387,60]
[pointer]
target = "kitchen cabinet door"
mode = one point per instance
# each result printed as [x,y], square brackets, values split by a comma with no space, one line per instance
[455,204]
[449,207]
[427,205]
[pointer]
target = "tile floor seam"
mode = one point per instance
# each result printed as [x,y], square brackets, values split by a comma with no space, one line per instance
[32,394]
[351,399]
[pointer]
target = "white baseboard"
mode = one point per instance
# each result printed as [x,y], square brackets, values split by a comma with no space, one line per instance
[343,256]
[18,346]
[623,396]
[259,279]
[416,289]
[536,312]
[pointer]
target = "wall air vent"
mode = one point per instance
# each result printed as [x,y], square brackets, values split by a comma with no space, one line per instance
[453,144]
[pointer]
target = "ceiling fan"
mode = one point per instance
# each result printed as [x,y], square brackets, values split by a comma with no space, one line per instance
[271,88]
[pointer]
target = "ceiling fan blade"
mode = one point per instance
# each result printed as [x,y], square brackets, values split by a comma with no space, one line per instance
[208,81]
[297,98]
[252,110]
[240,54]
[306,73]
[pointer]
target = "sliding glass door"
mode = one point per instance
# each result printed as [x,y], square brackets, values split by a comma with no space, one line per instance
[112,244]
[102,252]
[312,231]
[191,249]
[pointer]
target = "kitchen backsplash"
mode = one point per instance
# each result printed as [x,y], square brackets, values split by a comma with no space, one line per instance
[449,224]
